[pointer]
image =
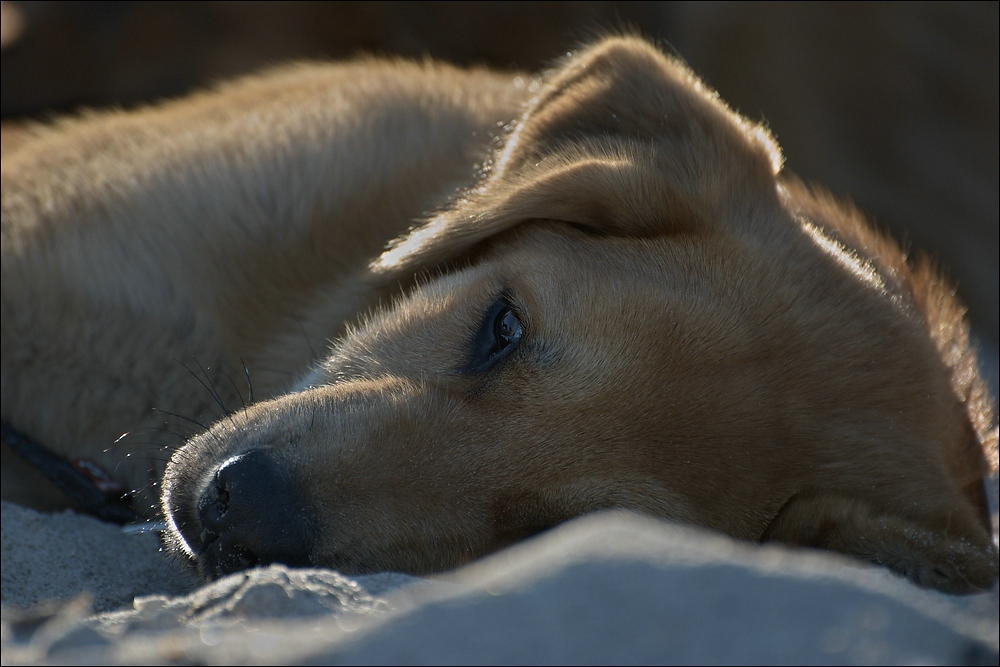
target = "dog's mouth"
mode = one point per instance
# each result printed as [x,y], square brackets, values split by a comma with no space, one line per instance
[245,513]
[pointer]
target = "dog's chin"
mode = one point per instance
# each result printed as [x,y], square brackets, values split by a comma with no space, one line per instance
[206,559]
[174,545]
[211,561]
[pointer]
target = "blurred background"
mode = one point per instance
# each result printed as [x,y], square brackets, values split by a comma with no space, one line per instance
[894,105]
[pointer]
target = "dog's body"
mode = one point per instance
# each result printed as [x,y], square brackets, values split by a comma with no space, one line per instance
[626,306]
[205,231]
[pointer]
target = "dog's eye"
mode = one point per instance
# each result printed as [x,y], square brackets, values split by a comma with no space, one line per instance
[500,333]
[507,330]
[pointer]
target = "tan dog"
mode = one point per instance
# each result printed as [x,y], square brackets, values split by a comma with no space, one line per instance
[627,306]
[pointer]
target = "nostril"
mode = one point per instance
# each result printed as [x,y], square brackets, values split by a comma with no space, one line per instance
[207,536]
[221,495]
[214,504]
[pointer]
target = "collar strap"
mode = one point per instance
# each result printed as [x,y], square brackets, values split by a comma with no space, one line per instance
[92,489]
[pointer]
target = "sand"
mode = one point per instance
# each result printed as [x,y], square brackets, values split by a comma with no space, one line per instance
[606,588]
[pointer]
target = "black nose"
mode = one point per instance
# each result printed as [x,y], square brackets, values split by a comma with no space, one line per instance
[250,515]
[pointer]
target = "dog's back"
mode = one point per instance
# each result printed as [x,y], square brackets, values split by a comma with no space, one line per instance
[199,231]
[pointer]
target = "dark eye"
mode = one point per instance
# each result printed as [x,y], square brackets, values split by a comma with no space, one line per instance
[507,330]
[500,333]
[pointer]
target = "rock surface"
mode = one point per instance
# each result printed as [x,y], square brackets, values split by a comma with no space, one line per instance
[606,588]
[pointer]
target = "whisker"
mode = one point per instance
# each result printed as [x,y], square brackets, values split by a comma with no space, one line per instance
[215,392]
[235,388]
[121,443]
[204,428]
[148,446]
[210,390]
[187,419]
[249,383]
[160,429]
[140,458]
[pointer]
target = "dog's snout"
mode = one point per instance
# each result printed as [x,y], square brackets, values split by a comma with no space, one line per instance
[250,515]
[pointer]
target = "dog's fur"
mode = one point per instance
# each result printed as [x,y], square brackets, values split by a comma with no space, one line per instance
[705,338]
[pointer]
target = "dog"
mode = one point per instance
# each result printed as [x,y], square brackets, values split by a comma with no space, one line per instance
[600,290]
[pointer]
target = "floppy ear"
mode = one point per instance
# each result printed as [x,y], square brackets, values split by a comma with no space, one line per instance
[951,553]
[621,139]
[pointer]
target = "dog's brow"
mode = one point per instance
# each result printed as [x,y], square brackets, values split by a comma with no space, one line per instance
[857,266]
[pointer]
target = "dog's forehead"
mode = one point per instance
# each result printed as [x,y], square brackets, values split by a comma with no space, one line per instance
[566,271]
[682,295]
[560,276]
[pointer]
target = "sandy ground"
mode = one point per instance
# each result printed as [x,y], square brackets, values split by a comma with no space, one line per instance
[606,588]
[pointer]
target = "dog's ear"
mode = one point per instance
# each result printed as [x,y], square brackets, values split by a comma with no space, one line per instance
[949,552]
[621,139]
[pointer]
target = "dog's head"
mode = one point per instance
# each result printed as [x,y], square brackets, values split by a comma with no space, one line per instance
[632,309]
